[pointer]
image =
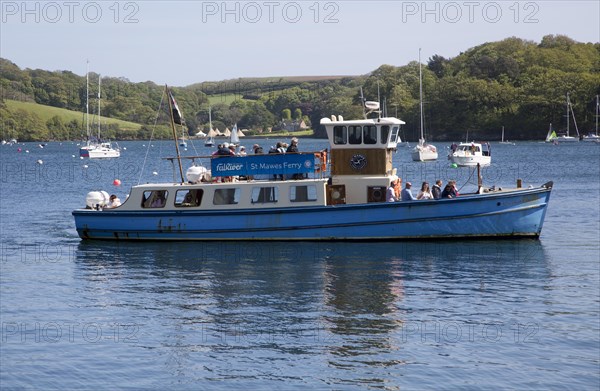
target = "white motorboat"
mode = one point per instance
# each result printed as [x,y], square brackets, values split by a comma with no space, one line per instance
[471,154]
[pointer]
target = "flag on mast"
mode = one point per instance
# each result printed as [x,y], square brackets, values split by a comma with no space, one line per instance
[177,116]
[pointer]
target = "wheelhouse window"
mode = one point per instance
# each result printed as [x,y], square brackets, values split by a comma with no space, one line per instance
[355,134]
[385,132]
[264,195]
[303,193]
[370,134]
[394,135]
[188,198]
[340,135]
[229,196]
[154,199]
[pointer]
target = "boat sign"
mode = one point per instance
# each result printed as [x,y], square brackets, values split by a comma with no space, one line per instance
[271,164]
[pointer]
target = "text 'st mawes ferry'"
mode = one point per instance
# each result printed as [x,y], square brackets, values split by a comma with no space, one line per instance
[348,204]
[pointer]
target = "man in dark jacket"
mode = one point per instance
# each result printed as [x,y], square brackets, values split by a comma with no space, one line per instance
[436,190]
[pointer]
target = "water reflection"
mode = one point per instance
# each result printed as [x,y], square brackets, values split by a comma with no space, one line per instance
[217,310]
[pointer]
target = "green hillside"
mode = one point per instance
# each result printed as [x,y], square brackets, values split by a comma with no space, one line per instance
[48,112]
[513,83]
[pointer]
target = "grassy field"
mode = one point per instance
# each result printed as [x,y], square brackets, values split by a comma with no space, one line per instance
[47,112]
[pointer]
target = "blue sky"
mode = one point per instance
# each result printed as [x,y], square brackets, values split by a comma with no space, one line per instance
[185,42]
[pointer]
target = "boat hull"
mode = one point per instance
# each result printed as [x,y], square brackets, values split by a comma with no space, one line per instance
[471,161]
[99,152]
[423,155]
[518,213]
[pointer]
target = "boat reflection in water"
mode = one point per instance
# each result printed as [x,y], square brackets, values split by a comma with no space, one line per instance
[219,310]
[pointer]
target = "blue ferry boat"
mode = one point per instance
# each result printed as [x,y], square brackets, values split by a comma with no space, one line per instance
[339,194]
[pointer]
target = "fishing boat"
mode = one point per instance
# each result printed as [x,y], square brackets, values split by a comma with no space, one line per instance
[423,151]
[95,147]
[502,141]
[338,194]
[471,155]
[594,137]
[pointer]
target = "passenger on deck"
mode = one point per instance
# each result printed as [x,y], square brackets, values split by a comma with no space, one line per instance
[159,200]
[293,148]
[449,191]
[113,201]
[424,193]
[223,150]
[257,149]
[407,194]
[390,194]
[242,151]
[436,190]
[398,188]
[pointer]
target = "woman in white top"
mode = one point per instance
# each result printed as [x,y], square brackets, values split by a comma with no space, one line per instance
[424,193]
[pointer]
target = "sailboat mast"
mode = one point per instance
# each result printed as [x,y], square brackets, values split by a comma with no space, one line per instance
[99,83]
[87,100]
[597,112]
[421,93]
[174,132]
[568,103]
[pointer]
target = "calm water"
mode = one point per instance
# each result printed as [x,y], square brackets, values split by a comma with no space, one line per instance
[428,315]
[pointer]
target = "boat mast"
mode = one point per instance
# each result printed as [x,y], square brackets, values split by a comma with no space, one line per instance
[174,132]
[421,94]
[597,112]
[568,114]
[87,100]
[99,82]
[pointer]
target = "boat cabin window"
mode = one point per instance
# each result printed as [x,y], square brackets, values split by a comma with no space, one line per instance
[154,199]
[394,135]
[303,193]
[370,134]
[263,195]
[226,196]
[188,198]
[340,135]
[355,134]
[470,148]
[385,132]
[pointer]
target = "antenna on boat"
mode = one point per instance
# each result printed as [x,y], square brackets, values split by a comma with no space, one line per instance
[171,112]
[362,103]
[378,98]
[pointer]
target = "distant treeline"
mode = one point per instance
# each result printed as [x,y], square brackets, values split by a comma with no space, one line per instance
[514,83]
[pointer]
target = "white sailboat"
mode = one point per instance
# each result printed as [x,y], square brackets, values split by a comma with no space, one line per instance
[210,137]
[566,138]
[95,148]
[503,141]
[234,138]
[594,137]
[423,151]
